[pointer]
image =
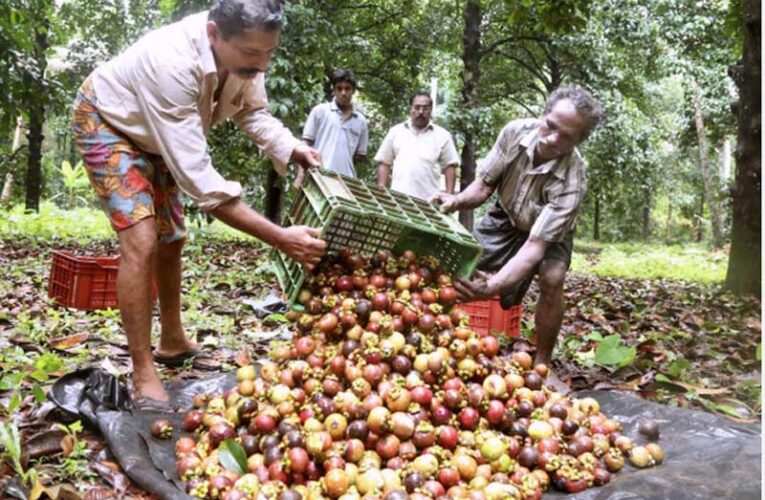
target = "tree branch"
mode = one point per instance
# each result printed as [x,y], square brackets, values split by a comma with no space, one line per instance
[511,39]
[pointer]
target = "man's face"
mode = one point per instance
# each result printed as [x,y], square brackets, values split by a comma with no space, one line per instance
[561,130]
[246,54]
[419,111]
[343,92]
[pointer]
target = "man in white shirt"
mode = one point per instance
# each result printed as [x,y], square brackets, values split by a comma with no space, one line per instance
[419,152]
[141,121]
[337,129]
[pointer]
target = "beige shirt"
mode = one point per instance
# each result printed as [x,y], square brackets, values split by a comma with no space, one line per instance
[543,200]
[159,93]
[418,159]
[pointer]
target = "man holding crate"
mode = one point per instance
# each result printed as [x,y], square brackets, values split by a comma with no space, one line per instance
[539,177]
[141,122]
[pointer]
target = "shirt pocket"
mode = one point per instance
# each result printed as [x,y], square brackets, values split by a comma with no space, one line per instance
[352,135]
[429,155]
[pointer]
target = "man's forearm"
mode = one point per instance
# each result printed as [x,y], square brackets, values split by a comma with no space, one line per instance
[450,173]
[383,172]
[238,215]
[474,195]
[519,267]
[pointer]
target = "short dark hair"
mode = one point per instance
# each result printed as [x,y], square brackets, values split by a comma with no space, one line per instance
[234,17]
[420,93]
[343,75]
[585,104]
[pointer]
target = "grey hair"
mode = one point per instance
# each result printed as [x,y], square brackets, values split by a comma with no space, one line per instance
[234,17]
[586,105]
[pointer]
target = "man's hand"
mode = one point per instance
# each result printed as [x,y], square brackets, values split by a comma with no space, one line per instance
[448,203]
[301,243]
[475,288]
[305,156]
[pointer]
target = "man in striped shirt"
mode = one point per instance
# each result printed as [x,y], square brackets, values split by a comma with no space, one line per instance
[539,177]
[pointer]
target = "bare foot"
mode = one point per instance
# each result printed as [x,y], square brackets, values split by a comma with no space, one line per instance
[149,386]
[552,381]
[169,348]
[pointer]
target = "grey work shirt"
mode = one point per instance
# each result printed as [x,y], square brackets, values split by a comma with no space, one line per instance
[543,200]
[338,139]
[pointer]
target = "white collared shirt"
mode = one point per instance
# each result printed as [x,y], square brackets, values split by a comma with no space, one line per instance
[159,92]
[338,139]
[418,159]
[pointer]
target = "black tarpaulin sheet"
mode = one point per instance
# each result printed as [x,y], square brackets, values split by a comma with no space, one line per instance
[707,456]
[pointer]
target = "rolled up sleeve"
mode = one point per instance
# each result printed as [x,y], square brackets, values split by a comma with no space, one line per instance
[558,217]
[449,156]
[168,100]
[494,164]
[267,132]
[385,153]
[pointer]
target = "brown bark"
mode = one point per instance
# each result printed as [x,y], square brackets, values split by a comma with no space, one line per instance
[745,265]
[35,100]
[647,214]
[5,195]
[710,186]
[471,59]
[596,222]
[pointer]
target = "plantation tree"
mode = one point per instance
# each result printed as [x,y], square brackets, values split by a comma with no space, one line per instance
[745,265]
[27,35]
[701,49]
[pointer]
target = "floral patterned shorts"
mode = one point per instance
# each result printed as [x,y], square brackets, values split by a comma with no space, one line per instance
[131,184]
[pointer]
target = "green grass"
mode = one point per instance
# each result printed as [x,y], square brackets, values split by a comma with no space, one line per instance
[83,224]
[689,262]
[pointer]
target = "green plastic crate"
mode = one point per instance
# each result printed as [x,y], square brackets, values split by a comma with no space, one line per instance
[352,214]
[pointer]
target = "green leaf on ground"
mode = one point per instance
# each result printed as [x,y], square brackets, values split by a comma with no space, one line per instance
[275,318]
[232,456]
[612,354]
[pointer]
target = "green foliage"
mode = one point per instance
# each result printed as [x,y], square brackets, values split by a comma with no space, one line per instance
[76,184]
[11,445]
[612,354]
[74,465]
[233,456]
[690,262]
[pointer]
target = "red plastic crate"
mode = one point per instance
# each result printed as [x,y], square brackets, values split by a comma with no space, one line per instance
[488,315]
[84,282]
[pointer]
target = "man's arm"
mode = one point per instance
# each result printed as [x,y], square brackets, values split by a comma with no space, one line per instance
[383,173]
[450,173]
[357,159]
[484,286]
[360,155]
[298,242]
[473,196]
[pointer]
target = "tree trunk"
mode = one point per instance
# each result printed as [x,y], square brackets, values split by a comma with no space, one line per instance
[709,181]
[274,197]
[744,265]
[596,224]
[471,58]
[647,213]
[725,162]
[35,100]
[669,221]
[5,196]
